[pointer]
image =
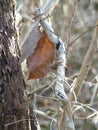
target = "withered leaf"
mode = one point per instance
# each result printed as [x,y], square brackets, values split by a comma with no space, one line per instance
[30,42]
[40,61]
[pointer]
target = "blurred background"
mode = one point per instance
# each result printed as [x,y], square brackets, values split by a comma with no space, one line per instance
[73,21]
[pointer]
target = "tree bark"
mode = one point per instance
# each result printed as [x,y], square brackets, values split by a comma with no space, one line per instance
[13,104]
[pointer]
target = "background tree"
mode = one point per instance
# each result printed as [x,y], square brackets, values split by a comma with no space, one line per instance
[14,108]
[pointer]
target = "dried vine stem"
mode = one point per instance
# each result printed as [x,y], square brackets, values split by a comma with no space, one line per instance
[87,62]
[95,91]
[49,6]
[59,89]
[70,23]
[82,34]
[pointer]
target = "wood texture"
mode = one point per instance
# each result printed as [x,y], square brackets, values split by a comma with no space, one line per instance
[13,104]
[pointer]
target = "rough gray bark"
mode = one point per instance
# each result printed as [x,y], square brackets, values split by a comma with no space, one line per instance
[13,105]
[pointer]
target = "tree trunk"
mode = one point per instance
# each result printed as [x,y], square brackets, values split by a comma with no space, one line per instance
[14,110]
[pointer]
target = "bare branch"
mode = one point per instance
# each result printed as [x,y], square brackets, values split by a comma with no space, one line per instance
[70,23]
[87,62]
[41,113]
[91,28]
[95,92]
[49,6]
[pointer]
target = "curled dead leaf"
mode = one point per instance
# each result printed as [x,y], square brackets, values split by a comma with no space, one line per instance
[40,61]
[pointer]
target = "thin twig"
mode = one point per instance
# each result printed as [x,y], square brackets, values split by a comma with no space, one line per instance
[49,98]
[17,121]
[85,105]
[49,6]
[87,117]
[31,94]
[94,93]
[61,124]
[41,113]
[90,29]
[50,86]
[51,125]
[87,62]
[70,23]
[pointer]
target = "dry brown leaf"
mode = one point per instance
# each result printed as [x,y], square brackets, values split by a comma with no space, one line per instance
[39,62]
[30,42]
